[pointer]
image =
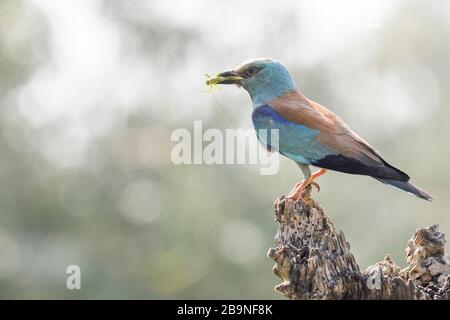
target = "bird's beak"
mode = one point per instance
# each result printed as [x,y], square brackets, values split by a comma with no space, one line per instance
[227,77]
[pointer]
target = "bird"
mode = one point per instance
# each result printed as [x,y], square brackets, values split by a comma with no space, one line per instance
[308,133]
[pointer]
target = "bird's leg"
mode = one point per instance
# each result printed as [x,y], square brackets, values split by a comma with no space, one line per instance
[299,188]
[306,175]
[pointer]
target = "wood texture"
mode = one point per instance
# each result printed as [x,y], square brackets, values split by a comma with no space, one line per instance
[314,261]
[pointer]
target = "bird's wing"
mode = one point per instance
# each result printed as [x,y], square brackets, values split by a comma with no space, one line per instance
[351,153]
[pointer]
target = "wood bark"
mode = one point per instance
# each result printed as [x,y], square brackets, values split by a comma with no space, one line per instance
[314,261]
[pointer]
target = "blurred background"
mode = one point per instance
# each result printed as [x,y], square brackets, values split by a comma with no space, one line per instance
[91,90]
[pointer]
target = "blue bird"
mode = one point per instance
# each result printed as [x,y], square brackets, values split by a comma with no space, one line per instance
[309,133]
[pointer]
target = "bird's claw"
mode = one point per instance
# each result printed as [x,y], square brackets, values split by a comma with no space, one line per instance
[295,188]
[299,193]
[302,190]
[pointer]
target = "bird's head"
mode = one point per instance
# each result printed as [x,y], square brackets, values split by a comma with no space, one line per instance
[264,79]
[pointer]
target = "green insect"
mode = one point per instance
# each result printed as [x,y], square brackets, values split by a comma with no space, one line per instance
[212,83]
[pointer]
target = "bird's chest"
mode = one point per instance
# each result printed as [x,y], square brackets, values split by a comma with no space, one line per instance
[265,118]
[276,132]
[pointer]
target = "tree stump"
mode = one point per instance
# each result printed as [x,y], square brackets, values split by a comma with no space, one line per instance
[314,260]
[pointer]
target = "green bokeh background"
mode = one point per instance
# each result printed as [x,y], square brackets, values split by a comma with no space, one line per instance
[90,92]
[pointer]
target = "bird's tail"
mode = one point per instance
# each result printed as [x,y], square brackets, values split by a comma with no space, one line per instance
[408,187]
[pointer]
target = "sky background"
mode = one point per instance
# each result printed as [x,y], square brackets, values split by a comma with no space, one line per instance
[91,90]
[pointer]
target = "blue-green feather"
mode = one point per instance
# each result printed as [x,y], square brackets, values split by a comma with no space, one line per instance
[296,141]
[273,81]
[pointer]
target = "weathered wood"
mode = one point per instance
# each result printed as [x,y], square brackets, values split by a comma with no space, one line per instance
[314,260]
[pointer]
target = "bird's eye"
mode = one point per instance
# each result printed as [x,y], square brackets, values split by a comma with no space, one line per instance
[251,71]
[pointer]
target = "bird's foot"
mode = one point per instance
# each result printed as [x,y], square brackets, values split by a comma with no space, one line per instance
[296,186]
[299,192]
[302,190]
[300,187]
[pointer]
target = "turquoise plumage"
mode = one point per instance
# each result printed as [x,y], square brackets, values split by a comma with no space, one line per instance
[309,133]
[303,149]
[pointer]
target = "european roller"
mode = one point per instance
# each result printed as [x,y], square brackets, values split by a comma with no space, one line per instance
[309,134]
